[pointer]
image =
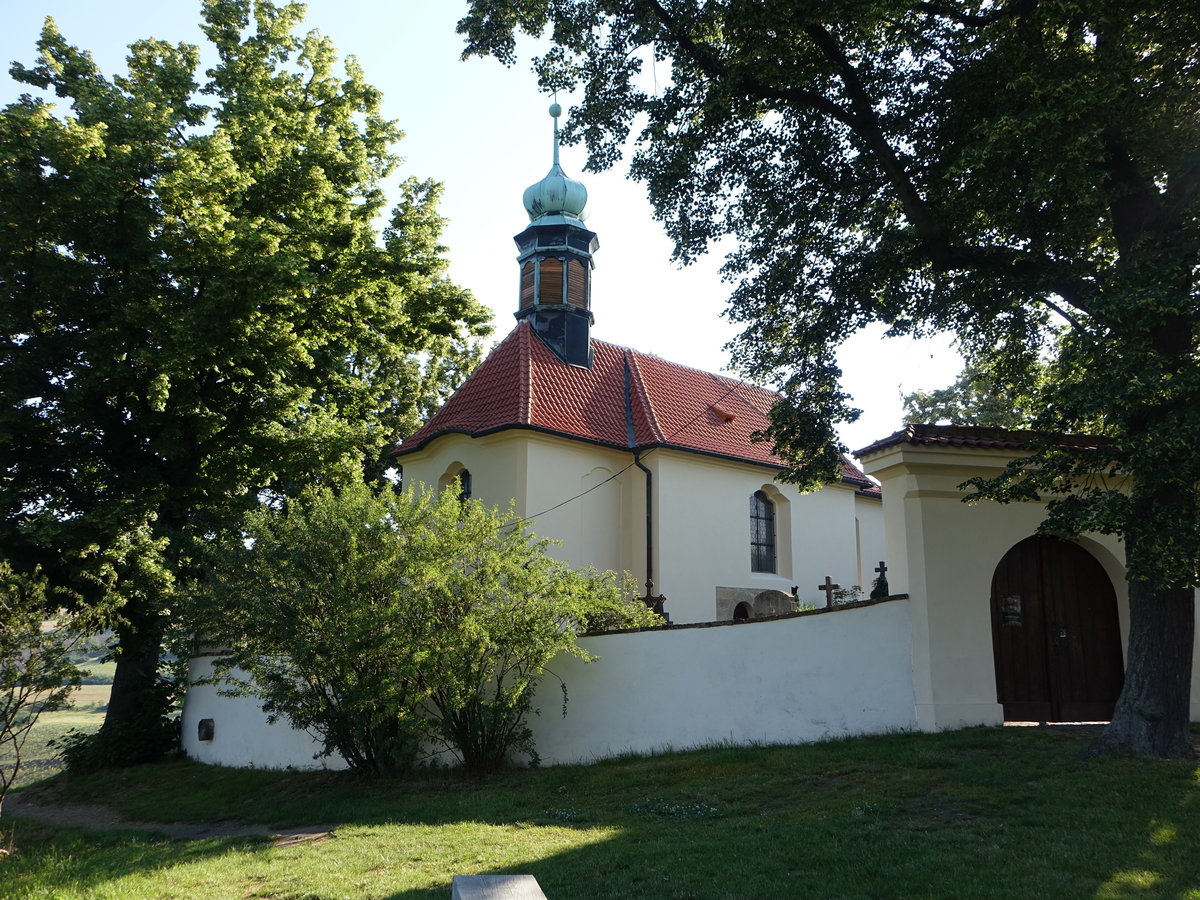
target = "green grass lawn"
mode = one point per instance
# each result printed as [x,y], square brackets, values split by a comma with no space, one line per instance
[979,813]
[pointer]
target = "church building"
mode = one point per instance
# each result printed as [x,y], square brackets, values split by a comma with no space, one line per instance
[637,464]
[632,462]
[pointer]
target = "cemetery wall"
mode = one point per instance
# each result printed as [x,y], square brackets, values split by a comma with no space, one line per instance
[793,679]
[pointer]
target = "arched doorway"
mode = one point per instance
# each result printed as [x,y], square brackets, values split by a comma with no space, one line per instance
[1056,637]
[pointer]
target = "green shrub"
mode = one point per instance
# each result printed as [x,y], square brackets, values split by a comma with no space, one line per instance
[36,673]
[393,623]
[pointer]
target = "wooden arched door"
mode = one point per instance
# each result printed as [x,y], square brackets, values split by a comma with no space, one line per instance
[1055,634]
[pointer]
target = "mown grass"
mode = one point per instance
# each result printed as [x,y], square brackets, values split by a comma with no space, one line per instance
[978,813]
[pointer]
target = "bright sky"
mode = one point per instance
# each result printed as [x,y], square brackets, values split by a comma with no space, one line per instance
[484,131]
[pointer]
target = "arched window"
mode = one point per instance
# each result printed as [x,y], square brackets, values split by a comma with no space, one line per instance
[463,475]
[762,533]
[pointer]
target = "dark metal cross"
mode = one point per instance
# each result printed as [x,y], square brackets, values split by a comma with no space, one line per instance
[882,567]
[829,587]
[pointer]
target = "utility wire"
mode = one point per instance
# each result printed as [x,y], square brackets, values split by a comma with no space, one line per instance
[667,439]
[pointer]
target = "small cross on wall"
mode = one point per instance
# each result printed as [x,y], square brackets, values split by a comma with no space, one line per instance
[828,587]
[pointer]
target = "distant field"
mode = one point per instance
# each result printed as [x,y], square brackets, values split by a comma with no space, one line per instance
[38,759]
[99,672]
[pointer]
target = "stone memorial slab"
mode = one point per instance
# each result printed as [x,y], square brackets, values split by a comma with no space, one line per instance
[495,887]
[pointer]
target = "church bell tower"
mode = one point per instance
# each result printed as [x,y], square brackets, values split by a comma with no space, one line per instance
[555,257]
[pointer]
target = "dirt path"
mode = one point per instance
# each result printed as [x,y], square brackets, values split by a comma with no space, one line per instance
[38,805]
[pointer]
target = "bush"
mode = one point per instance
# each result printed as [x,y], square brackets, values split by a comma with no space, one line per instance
[36,672]
[150,736]
[389,624]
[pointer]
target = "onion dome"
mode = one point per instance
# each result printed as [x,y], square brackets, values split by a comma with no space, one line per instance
[556,194]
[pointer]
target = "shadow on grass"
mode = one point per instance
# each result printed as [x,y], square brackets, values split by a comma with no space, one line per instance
[47,861]
[979,813]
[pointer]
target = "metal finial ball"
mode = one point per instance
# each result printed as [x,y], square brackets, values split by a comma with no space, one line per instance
[555,110]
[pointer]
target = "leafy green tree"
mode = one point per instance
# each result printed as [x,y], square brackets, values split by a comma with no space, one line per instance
[1024,173]
[973,399]
[389,623]
[36,672]
[196,305]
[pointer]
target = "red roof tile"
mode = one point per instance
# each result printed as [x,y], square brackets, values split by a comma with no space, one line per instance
[522,384]
[975,436]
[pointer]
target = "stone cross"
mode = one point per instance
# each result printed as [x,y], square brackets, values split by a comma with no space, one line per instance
[882,568]
[829,587]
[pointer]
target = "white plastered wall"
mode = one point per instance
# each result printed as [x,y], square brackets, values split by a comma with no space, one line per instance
[702,519]
[563,485]
[943,553]
[701,524]
[498,466]
[793,680]
[790,680]
[872,548]
[241,734]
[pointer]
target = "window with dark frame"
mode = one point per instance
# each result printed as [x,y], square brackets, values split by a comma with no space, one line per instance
[762,533]
[464,485]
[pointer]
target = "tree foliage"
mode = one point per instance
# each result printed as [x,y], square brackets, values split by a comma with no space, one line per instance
[388,624]
[196,304]
[1024,173]
[973,399]
[36,672]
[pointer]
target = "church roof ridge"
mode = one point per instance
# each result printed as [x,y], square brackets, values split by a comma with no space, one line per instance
[672,405]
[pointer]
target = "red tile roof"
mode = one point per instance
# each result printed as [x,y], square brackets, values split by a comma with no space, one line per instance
[627,400]
[975,436]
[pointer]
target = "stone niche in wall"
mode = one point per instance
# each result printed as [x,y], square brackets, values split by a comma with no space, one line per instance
[751,603]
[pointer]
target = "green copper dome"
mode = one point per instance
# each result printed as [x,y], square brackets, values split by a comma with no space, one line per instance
[556,194]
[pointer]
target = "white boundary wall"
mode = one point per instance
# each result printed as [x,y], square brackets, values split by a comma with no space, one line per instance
[790,680]
[775,681]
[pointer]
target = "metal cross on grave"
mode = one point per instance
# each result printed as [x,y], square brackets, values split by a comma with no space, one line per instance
[829,587]
[882,570]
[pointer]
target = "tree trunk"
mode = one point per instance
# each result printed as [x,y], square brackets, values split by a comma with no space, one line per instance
[140,642]
[136,728]
[1152,713]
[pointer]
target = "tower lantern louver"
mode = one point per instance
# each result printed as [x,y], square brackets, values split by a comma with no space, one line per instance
[555,258]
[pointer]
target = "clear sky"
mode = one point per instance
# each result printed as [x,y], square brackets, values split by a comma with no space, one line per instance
[484,131]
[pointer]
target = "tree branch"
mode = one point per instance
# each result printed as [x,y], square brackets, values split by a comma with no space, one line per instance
[862,120]
[712,65]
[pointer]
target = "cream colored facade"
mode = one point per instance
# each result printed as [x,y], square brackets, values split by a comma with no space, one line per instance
[943,552]
[924,662]
[593,499]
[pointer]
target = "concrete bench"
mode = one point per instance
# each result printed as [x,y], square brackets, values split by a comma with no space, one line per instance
[495,887]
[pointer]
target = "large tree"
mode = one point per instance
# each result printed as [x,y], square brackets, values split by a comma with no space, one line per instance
[1025,173]
[197,305]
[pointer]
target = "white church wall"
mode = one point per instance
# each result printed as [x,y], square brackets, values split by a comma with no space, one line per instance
[700,515]
[563,485]
[791,680]
[943,553]
[702,533]
[868,516]
[571,499]
[497,464]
